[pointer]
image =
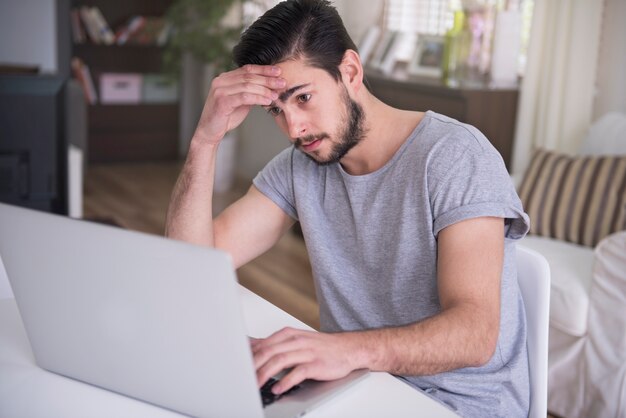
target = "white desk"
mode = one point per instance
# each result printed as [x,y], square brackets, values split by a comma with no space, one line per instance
[28,391]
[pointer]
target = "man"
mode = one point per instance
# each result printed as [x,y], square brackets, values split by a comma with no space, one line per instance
[410,220]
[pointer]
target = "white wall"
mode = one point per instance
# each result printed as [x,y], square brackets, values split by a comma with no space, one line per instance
[28,33]
[611,75]
[358,15]
[259,141]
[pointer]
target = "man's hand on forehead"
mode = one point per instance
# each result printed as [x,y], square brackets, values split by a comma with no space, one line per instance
[263,75]
[231,96]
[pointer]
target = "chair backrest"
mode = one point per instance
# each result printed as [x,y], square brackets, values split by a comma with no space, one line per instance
[5,286]
[533,277]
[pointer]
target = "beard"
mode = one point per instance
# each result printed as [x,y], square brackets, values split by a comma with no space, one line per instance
[350,133]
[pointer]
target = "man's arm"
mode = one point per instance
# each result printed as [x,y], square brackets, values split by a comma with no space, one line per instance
[463,334]
[254,223]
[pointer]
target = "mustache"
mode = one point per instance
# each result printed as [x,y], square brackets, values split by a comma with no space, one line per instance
[310,138]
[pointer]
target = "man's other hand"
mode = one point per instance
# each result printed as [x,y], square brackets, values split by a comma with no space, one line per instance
[309,355]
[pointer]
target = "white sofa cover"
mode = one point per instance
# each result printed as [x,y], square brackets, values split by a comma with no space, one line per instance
[587,343]
[587,374]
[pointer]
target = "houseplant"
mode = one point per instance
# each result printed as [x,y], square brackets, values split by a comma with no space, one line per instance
[203,33]
[200,27]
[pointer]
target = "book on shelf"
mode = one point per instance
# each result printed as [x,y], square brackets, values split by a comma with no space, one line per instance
[83,75]
[89,24]
[78,33]
[96,26]
[124,32]
[104,30]
[144,30]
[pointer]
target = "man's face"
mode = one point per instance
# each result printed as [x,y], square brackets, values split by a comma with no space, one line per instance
[317,113]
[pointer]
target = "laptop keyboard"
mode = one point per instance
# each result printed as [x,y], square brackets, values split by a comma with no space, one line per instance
[266,392]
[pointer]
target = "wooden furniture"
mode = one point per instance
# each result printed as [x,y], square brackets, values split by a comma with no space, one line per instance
[492,111]
[137,132]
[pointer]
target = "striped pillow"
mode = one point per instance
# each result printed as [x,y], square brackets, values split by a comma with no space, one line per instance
[578,199]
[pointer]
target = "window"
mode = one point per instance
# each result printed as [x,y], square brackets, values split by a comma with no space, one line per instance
[432,17]
[435,17]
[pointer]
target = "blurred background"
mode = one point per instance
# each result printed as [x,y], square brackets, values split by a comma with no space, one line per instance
[99,98]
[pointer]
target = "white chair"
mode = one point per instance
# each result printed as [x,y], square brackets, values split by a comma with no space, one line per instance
[533,277]
[5,286]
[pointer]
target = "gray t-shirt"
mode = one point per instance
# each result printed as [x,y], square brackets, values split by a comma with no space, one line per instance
[372,242]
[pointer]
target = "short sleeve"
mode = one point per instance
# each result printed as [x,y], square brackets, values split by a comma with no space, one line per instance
[275,181]
[470,180]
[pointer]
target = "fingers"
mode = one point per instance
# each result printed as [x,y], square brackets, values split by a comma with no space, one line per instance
[281,350]
[296,376]
[262,75]
[287,339]
[246,86]
[297,359]
[246,91]
[227,105]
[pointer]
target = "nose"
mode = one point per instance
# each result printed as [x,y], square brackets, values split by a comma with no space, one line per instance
[296,124]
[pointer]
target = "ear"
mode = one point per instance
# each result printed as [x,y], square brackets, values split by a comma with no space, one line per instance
[351,71]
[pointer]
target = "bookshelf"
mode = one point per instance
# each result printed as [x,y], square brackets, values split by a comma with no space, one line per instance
[127,132]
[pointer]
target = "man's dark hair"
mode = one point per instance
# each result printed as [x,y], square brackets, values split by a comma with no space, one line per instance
[308,29]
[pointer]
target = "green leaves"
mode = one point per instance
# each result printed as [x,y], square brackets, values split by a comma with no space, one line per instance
[199,28]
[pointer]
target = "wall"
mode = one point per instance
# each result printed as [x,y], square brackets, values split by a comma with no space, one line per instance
[28,33]
[611,76]
[259,141]
[358,18]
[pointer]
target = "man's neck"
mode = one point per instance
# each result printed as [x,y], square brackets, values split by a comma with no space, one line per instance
[387,128]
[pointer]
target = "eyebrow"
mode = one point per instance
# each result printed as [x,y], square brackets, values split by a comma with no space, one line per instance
[288,93]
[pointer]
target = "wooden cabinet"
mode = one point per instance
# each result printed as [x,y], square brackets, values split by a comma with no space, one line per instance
[492,111]
[128,132]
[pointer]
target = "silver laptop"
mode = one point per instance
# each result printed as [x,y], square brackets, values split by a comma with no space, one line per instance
[151,318]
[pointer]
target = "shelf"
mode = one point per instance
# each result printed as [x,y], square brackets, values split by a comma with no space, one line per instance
[148,117]
[128,132]
[492,110]
[120,58]
[143,132]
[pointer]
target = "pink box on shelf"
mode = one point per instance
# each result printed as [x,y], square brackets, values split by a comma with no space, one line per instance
[120,88]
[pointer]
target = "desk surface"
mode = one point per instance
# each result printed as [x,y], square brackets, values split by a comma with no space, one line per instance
[27,390]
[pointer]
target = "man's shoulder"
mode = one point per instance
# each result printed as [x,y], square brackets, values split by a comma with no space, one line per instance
[445,139]
[446,131]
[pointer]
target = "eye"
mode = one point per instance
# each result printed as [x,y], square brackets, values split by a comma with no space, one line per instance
[274,110]
[303,98]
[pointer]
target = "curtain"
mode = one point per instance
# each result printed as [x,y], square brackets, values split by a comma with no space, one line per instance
[557,93]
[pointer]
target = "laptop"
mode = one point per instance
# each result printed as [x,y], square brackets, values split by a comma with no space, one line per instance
[144,316]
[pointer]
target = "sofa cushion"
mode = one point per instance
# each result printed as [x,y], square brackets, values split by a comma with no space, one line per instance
[576,199]
[571,268]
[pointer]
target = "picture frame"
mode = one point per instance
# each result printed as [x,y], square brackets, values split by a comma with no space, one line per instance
[384,57]
[428,56]
[368,43]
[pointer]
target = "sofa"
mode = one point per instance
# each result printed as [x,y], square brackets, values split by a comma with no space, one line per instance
[577,206]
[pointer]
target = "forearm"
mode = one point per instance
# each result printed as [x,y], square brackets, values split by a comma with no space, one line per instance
[461,336]
[190,213]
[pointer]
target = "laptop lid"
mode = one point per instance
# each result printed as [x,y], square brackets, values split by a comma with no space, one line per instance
[148,317]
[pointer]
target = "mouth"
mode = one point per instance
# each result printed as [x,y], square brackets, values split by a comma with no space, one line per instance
[311,142]
[311,146]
